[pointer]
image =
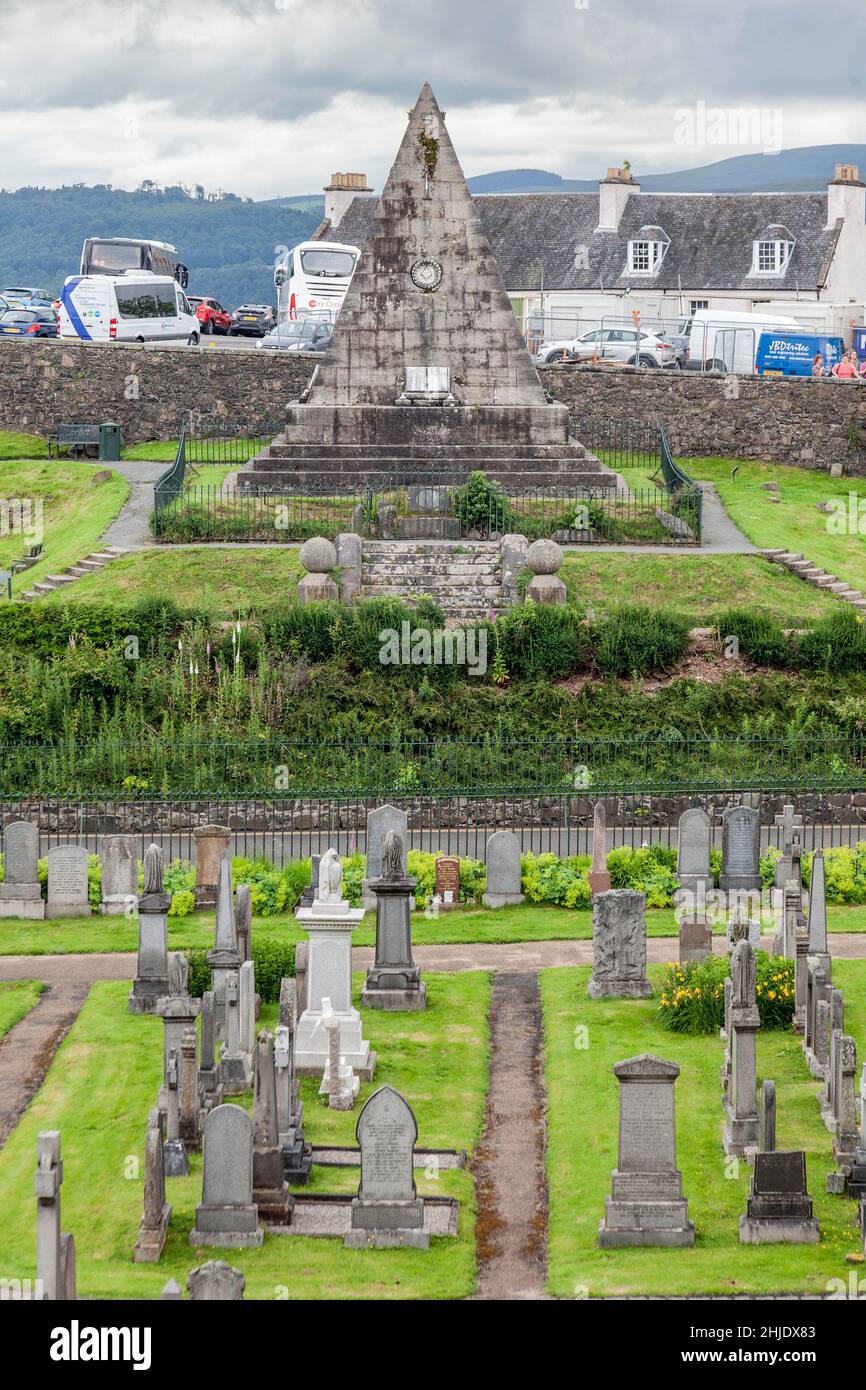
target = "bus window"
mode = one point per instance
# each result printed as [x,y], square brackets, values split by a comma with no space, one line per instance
[110,258]
[326,262]
[137,302]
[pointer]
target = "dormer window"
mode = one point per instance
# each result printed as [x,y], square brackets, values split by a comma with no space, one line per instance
[772,251]
[646,251]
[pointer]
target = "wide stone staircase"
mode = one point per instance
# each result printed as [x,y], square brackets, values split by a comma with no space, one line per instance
[465,578]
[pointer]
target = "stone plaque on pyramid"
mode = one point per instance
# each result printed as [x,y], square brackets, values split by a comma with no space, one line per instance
[426,365]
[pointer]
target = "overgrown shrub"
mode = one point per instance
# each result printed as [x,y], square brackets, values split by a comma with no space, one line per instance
[691,997]
[635,640]
[481,505]
[760,637]
[836,643]
[535,641]
[272,960]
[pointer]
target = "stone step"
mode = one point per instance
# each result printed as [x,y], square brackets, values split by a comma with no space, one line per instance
[851,595]
[839,588]
[44,588]
[826,581]
[813,575]
[58,579]
[103,556]
[430,547]
[77,571]
[27,595]
[90,566]
[448,452]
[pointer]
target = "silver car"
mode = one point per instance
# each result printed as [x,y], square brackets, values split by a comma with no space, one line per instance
[298,335]
[611,344]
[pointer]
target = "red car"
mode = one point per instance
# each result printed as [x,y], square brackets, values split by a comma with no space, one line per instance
[210,314]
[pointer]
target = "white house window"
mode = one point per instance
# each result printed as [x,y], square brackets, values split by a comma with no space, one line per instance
[772,252]
[697,304]
[646,251]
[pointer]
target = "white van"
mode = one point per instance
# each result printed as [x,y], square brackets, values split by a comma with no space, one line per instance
[724,341]
[138,307]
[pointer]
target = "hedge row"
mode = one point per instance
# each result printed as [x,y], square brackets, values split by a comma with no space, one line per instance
[835,643]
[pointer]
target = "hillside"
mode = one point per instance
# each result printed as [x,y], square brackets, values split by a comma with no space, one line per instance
[229,245]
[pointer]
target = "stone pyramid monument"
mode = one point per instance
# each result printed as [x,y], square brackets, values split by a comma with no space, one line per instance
[426,366]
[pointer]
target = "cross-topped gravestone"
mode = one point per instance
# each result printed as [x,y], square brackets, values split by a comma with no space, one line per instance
[387,1210]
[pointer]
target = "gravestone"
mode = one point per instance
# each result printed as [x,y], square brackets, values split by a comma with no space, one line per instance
[208,1072]
[857,1179]
[393,980]
[247,1014]
[215,1282]
[225,959]
[822,1046]
[741,926]
[151,978]
[599,878]
[211,841]
[503,870]
[447,882]
[157,1212]
[387,1210]
[379,822]
[20,892]
[297,1156]
[234,1069]
[779,1208]
[339,1082]
[174,1155]
[55,1250]
[835,1029]
[741,850]
[190,1096]
[330,923]
[270,1193]
[227,1215]
[244,921]
[788,864]
[302,957]
[178,1011]
[846,1139]
[767,1117]
[694,876]
[67,882]
[119,876]
[801,979]
[619,946]
[740,1135]
[695,938]
[817,917]
[646,1205]
[309,892]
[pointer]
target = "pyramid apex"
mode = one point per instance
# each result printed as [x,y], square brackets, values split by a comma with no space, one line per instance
[426,97]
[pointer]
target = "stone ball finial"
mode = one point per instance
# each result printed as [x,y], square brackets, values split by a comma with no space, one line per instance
[544,557]
[318,555]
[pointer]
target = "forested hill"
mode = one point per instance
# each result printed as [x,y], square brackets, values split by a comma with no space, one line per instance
[228,243]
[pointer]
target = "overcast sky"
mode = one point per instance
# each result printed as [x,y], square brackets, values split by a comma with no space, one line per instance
[267,97]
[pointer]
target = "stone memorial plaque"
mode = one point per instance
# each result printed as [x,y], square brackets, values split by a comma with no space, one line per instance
[647,1141]
[448,879]
[780,1172]
[619,946]
[67,882]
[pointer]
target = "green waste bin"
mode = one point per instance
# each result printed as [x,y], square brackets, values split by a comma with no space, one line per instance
[109,443]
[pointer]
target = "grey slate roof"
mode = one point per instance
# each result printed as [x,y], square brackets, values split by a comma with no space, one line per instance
[537,239]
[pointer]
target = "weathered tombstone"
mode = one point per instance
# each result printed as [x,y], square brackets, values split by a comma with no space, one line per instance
[171,1292]
[302,957]
[157,1212]
[330,923]
[225,959]
[234,1068]
[190,1095]
[846,1138]
[503,870]
[175,1157]
[740,925]
[646,1205]
[379,822]
[599,878]
[55,1251]
[779,1207]
[151,979]
[767,1117]
[794,921]
[244,921]
[694,833]
[297,1156]
[801,979]
[835,1029]
[270,1193]
[619,946]
[817,918]
[309,893]
[696,939]
[227,1214]
[339,1082]
[215,1281]
[725,1035]
[741,850]
[208,1072]
[821,1050]
[20,893]
[393,980]
[247,1014]
[119,876]
[387,1210]
[857,1179]
[788,864]
[740,1135]
[211,841]
[178,1011]
[67,882]
[447,881]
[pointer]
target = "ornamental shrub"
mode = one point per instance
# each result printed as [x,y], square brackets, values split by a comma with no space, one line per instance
[691,997]
[836,643]
[538,642]
[635,640]
[760,637]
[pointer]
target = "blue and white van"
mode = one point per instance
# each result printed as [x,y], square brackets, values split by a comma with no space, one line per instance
[137,307]
[791,354]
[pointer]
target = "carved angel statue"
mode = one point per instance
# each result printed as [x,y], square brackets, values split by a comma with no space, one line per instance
[178,973]
[330,878]
[742,974]
[392,855]
[153,870]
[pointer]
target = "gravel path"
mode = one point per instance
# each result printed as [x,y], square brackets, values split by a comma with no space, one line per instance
[508,1166]
[28,1048]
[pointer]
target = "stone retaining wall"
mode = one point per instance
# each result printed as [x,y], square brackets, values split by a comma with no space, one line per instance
[148,390]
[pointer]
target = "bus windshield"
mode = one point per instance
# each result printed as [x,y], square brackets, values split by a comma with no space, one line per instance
[111,256]
[328,263]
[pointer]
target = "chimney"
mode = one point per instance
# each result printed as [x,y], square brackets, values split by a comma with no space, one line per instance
[613,194]
[846,196]
[340,192]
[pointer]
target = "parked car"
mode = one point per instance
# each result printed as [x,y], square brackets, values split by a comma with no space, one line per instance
[611,344]
[28,294]
[30,323]
[252,320]
[210,314]
[298,335]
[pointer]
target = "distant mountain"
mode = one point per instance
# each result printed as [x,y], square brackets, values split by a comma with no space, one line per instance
[791,171]
[229,244]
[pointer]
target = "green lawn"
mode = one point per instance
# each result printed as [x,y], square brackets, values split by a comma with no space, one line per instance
[224,579]
[582,1140]
[102,1084]
[75,512]
[14,445]
[468,926]
[17,998]
[698,585]
[792,523]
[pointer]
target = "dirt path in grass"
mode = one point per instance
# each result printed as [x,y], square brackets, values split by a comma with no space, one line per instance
[27,1049]
[508,1167]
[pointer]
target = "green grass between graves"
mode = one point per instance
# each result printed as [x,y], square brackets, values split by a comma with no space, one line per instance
[98,1093]
[226,580]
[582,1141]
[75,513]
[17,998]
[463,926]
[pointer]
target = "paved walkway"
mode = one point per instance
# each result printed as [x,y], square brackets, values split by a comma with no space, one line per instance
[719,535]
[131,528]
